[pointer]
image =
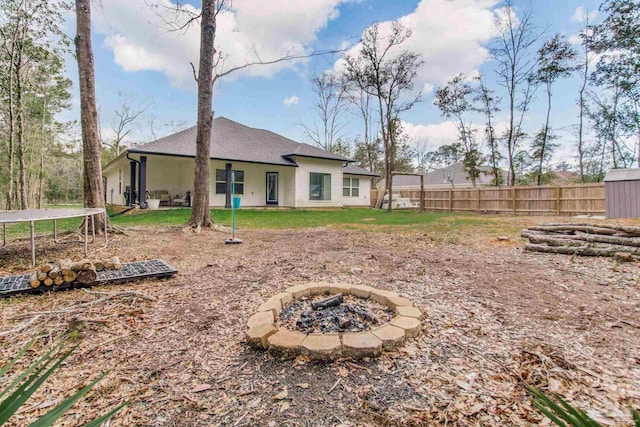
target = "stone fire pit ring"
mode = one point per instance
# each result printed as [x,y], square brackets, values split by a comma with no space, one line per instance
[263,333]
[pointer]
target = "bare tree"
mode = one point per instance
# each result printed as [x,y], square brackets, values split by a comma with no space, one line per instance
[329,106]
[421,151]
[555,61]
[211,68]
[587,57]
[91,145]
[487,103]
[27,30]
[513,53]
[454,102]
[377,70]
[126,116]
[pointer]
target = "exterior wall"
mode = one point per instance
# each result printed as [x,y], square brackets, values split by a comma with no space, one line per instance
[622,199]
[255,184]
[364,198]
[173,174]
[115,194]
[305,167]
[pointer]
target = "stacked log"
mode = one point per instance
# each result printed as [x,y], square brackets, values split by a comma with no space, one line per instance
[64,271]
[620,242]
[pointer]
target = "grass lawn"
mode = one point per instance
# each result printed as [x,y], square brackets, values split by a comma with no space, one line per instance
[443,226]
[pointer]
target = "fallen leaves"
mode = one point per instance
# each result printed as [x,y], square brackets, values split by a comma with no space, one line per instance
[200,388]
[283,394]
[493,311]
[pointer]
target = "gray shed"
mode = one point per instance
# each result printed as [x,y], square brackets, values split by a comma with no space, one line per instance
[622,193]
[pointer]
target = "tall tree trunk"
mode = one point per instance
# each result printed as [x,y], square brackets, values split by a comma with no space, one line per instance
[585,76]
[22,172]
[12,128]
[387,163]
[91,145]
[510,135]
[41,180]
[613,125]
[201,212]
[545,136]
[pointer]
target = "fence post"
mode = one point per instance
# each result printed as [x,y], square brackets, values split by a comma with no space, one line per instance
[478,201]
[513,199]
[558,200]
[450,200]
[422,193]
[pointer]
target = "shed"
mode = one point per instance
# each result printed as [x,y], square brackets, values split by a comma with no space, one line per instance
[622,193]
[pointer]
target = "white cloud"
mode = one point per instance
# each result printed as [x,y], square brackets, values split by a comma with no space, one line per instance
[581,14]
[139,37]
[443,133]
[292,100]
[435,135]
[450,35]
[427,89]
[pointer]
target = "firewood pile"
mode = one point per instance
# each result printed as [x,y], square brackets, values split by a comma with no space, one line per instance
[84,272]
[620,242]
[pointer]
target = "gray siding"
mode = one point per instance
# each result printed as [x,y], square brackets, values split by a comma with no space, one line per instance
[622,199]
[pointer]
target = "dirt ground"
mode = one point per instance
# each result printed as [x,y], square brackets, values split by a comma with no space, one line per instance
[496,319]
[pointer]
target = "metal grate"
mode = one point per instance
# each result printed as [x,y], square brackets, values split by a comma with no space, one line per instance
[14,285]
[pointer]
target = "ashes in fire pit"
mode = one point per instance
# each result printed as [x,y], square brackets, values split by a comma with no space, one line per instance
[337,313]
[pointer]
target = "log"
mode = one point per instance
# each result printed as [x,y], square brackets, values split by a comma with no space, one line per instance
[41,276]
[553,241]
[55,272]
[635,231]
[82,265]
[592,238]
[35,282]
[571,250]
[87,276]
[117,265]
[58,281]
[65,266]
[573,228]
[48,281]
[68,278]
[108,264]
[98,265]
[45,268]
[328,302]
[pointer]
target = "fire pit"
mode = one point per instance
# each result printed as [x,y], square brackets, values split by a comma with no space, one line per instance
[327,321]
[337,313]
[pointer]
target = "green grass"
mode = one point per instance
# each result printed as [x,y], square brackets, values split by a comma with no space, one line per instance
[40,227]
[440,224]
[296,219]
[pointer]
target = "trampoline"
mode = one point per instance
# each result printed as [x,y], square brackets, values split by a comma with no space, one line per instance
[33,215]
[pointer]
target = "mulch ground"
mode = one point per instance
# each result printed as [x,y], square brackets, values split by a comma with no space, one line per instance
[497,319]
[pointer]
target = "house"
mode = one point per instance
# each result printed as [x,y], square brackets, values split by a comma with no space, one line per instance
[450,176]
[269,170]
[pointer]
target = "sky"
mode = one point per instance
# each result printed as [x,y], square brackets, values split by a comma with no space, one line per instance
[137,54]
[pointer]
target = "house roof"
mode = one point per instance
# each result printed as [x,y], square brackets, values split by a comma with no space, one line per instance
[352,169]
[443,176]
[623,175]
[233,141]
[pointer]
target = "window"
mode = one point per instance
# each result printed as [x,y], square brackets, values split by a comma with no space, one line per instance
[221,181]
[319,186]
[350,187]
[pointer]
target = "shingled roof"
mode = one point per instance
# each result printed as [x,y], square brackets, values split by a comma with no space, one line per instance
[441,177]
[236,142]
[352,169]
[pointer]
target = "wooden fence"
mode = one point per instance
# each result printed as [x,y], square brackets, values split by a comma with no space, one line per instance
[582,199]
